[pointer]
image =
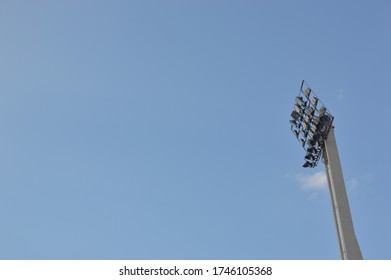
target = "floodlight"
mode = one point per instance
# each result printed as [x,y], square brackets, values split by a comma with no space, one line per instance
[317,136]
[324,123]
[300,101]
[307,92]
[309,164]
[305,126]
[310,111]
[315,120]
[314,101]
[313,127]
[304,133]
[298,109]
[312,142]
[312,150]
[295,115]
[316,126]
[309,124]
[322,111]
[293,123]
[310,157]
[325,119]
[307,119]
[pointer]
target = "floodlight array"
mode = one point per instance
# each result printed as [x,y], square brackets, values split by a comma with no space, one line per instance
[310,124]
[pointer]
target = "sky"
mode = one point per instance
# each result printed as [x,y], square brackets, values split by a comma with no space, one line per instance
[160,129]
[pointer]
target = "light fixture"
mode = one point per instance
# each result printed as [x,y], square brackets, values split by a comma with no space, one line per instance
[317,136]
[314,101]
[310,111]
[310,157]
[298,109]
[312,150]
[295,115]
[312,142]
[322,111]
[309,164]
[300,101]
[316,126]
[293,123]
[307,119]
[315,120]
[307,92]
[305,125]
[310,124]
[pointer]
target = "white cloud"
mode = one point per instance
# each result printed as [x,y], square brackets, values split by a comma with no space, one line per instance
[316,181]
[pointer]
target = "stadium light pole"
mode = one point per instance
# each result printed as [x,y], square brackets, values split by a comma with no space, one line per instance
[313,127]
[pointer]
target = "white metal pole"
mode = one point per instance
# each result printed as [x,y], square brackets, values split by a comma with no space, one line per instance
[349,248]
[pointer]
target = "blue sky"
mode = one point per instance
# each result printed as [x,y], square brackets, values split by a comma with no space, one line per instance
[160,129]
